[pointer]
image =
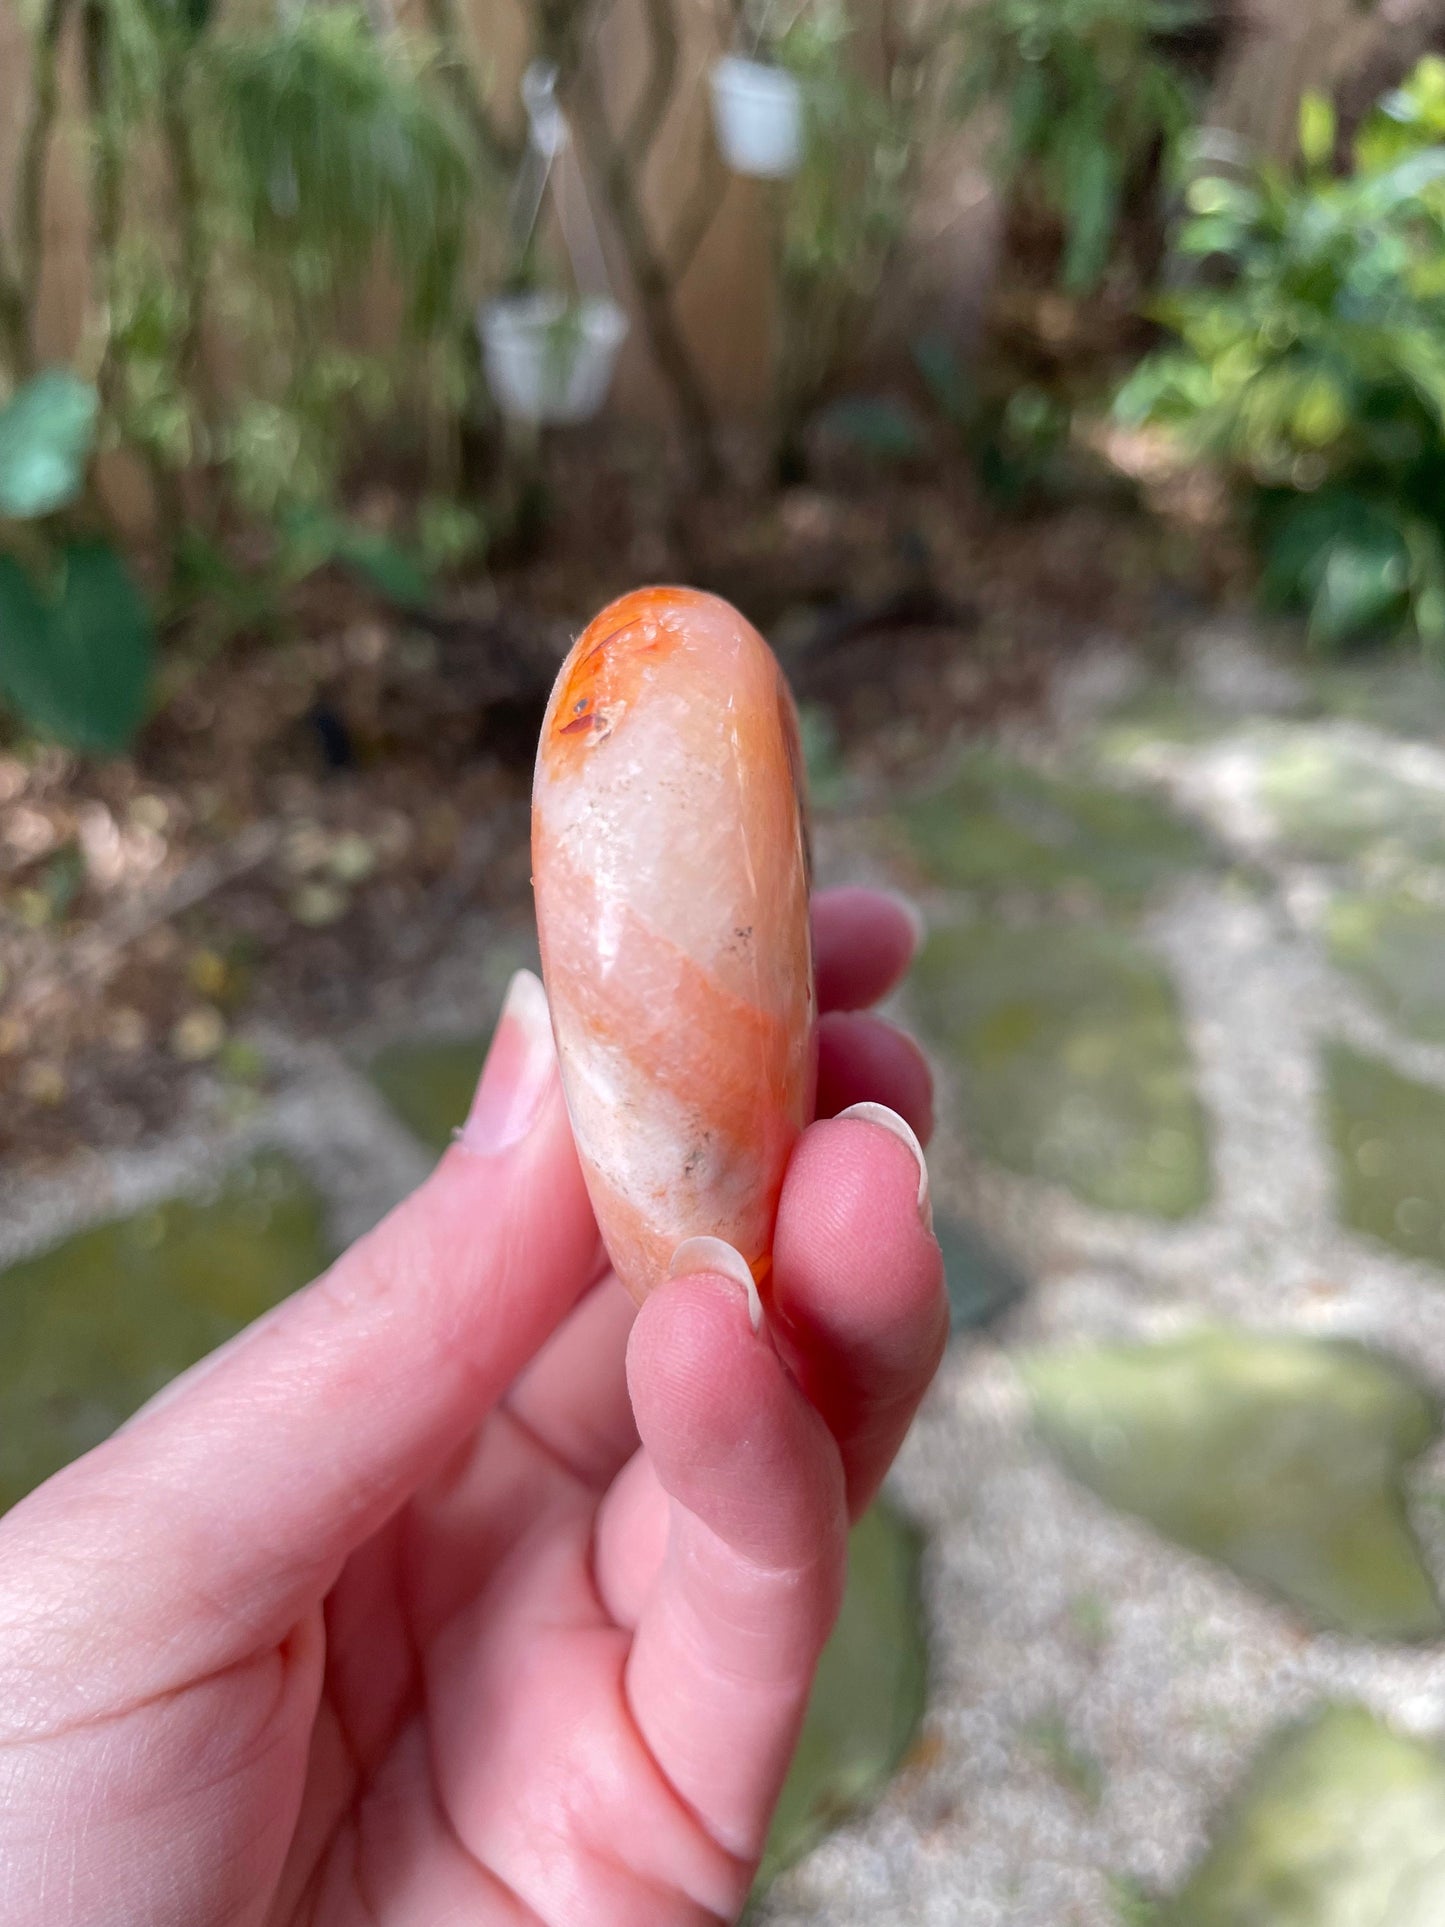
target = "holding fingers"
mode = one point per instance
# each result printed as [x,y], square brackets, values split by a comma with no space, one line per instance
[457,1586]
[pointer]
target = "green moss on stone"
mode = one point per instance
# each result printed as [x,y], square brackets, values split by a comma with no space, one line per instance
[1388,1133]
[91,1329]
[1340,1823]
[1071,1060]
[1395,945]
[429,1083]
[1333,799]
[1160,713]
[1281,1457]
[1001,825]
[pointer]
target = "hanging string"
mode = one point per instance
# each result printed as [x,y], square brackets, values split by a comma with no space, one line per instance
[548,140]
[546,137]
[579,234]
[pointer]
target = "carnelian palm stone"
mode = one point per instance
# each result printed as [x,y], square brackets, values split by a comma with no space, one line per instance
[670,862]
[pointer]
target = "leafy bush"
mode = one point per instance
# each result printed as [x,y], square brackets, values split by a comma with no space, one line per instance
[76,639]
[341,151]
[1090,99]
[1017,438]
[847,209]
[303,157]
[848,206]
[328,154]
[1310,362]
[78,645]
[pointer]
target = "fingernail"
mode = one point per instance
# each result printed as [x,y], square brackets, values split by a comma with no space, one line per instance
[917,922]
[716,1255]
[891,1121]
[517,1073]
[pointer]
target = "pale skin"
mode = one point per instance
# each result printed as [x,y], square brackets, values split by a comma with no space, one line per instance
[458,1591]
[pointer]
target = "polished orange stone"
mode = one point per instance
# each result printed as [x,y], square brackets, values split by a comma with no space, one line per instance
[670,862]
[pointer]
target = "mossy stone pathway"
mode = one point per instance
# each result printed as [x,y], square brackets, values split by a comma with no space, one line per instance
[90,1329]
[1185,1504]
[1304,1441]
[1149,1633]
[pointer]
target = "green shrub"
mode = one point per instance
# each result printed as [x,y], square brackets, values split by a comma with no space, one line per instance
[1309,361]
[848,208]
[300,158]
[341,152]
[1090,98]
[327,153]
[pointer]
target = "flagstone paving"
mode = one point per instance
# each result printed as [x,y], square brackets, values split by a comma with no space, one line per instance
[1185,1505]
[1305,1439]
[1392,943]
[89,1330]
[1004,827]
[1152,1632]
[1388,1133]
[1071,1058]
[1339,1821]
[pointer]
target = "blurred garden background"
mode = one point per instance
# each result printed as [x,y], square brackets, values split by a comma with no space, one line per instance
[1060,386]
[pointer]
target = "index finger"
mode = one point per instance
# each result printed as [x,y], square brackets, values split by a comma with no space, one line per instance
[863,942]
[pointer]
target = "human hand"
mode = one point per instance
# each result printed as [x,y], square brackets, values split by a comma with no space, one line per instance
[456,1589]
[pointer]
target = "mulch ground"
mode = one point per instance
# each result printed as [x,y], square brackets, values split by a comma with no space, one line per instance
[308,814]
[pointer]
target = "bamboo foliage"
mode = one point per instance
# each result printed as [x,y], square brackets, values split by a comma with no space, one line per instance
[301,151]
[337,147]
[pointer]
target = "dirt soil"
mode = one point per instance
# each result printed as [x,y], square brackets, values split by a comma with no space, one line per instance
[307,815]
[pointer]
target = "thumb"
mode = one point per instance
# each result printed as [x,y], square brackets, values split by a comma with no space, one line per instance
[227,1506]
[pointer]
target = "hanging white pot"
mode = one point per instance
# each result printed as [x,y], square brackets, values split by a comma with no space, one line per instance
[757,110]
[550,360]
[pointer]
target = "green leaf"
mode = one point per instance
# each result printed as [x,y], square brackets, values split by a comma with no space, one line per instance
[315,537]
[47,431]
[1209,234]
[1316,129]
[1398,190]
[1362,587]
[344,147]
[188,19]
[1164,387]
[1216,194]
[1321,414]
[387,566]
[887,430]
[76,652]
[939,364]
[1091,212]
[1028,124]
[1345,558]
